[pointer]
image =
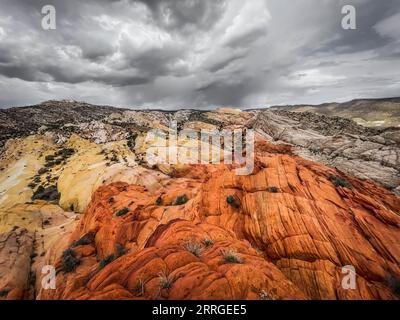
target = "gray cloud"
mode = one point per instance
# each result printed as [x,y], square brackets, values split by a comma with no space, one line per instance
[198,53]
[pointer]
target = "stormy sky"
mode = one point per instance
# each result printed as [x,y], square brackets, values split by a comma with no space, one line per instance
[198,53]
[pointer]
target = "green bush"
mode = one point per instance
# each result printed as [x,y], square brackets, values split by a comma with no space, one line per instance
[69,261]
[181,200]
[122,212]
[85,240]
[159,201]
[340,182]
[273,190]
[231,200]
[49,158]
[65,153]
[42,171]
[38,191]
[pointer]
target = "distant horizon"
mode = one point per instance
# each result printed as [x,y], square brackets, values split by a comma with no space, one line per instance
[157,108]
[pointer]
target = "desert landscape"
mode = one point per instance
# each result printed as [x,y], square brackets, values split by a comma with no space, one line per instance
[77,193]
[199,158]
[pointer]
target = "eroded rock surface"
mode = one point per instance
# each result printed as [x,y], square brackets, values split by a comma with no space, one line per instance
[286,235]
[16,248]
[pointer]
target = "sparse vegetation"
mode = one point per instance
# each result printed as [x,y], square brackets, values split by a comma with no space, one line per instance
[42,171]
[122,212]
[208,242]
[139,287]
[232,201]
[85,240]
[4,292]
[394,284]
[114,158]
[69,261]
[159,201]
[32,185]
[120,250]
[165,282]
[48,194]
[132,140]
[273,189]
[340,182]
[106,261]
[231,256]
[38,191]
[65,153]
[194,248]
[49,158]
[180,200]
[268,295]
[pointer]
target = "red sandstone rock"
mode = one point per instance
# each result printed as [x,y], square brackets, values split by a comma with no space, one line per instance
[290,227]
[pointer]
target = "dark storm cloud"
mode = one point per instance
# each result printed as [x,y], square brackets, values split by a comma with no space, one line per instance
[179,15]
[198,53]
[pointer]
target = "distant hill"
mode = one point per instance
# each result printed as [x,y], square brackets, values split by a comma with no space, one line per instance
[367,112]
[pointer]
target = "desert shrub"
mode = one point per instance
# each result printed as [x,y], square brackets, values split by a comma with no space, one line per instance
[85,240]
[208,242]
[38,191]
[273,190]
[48,194]
[165,282]
[106,261]
[139,287]
[120,250]
[42,171]
[69,261]
[268,295]
[180,200]
[114,158]
[194,248]
[263,295]
[232,201]
[49,158]
[394,284]
[159,201]
[132,140]
[122,212]
[65,153]
[231,256]
[4,292]
[340,182]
